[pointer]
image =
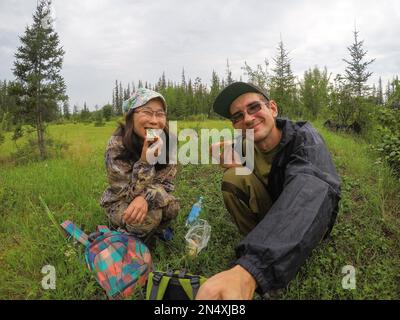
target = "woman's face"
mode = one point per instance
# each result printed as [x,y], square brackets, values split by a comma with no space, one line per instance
[149,116]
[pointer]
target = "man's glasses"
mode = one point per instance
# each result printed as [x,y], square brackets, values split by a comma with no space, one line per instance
[148,113]
[252,108]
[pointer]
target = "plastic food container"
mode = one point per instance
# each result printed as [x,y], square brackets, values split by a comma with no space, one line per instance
[197,237]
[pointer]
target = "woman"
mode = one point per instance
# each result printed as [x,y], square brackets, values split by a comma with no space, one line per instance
[139,198]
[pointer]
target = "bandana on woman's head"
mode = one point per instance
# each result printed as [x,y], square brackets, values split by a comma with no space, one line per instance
[140,97]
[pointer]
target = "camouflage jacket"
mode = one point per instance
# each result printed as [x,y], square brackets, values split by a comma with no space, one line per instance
[128,179]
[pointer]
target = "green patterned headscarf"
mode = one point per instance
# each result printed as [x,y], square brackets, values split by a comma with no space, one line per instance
[140,97]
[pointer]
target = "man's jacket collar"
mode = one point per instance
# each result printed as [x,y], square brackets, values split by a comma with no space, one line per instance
[288,129]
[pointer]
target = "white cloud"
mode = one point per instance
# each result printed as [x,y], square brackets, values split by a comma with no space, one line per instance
[126,40]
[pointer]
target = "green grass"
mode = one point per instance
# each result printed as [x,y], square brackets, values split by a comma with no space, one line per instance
[366,234]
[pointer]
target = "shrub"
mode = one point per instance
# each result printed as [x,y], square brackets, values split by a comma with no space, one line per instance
[388,144]
[29,152]
[99,120]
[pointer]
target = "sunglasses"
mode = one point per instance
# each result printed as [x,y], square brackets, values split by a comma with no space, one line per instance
[252,108]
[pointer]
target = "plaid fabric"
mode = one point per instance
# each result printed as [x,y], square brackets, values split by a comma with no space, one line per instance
[120,261]
[75,232]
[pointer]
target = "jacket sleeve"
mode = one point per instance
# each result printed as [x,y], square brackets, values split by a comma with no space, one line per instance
[158,192]
[277,247]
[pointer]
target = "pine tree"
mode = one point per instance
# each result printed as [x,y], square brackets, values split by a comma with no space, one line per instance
[283,87]
[190,97]
[394,97]
[113,99]
[66,112]
[37,70]
[107,112]
[229,79]
[356,72]
[314,91]
[128,91]
[126,94]
[198,96]
[214,91]
[85,113]
[388,90]
[116,98]
[373,93]
[258,76]
[379,94]
[183,81]
[8,104]
[161,84]
[120,98]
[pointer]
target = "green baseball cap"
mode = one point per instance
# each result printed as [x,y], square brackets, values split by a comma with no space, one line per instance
[225,98]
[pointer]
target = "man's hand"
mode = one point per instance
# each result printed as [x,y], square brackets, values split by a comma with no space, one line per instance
[234,284]
[231,159]
[136,211]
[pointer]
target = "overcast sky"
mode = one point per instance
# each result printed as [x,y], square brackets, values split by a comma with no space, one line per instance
[126,40]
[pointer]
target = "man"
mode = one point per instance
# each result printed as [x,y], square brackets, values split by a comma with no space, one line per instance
[284,208]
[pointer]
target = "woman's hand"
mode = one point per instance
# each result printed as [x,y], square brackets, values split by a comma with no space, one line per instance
[136,211]
[151,150]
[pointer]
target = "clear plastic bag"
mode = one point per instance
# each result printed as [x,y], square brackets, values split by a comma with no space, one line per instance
[197,237]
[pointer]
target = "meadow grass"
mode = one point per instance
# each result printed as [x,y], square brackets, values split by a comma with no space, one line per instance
[365,236]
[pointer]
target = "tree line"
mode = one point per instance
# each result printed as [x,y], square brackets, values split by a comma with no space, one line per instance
[37,95]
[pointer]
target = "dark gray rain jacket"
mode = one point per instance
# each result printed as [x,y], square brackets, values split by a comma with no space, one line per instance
[305,188]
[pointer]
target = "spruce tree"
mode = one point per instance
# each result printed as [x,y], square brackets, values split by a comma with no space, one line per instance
[116,98]
[388,90]
[66,112]
[314,91]
[37,68]
[190,98]
[258,76]
[163,83]
[198,96]
[379,94]
[128,91]
[283,87]
[229,79]
[183,81]
[394,97]
[120,98]
[214,91]
[356,72]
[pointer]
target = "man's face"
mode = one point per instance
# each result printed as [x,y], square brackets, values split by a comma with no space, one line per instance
[262,121]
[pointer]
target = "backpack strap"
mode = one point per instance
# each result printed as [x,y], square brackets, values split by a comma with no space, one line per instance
[159,283]
[195,282]
[100,230]
[103,229]
[75,232]
[191,288]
